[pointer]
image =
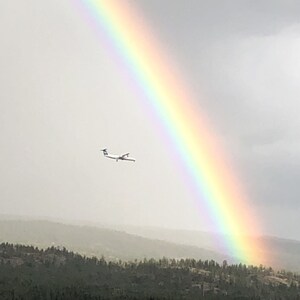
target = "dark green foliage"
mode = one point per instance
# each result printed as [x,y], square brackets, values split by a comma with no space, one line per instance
[29,273]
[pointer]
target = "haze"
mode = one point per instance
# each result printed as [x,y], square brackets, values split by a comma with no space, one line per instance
[63,97]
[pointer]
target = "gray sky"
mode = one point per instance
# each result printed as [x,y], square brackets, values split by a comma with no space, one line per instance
[62,97]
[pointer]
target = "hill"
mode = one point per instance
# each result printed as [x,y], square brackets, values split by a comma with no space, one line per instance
[29,273]
[92,241]
[129,242]
[281,253]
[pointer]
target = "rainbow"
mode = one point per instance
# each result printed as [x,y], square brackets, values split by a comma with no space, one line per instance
[216,189]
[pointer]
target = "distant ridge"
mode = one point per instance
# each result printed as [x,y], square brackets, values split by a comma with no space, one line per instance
[283,253]
[92,241]
[132,242]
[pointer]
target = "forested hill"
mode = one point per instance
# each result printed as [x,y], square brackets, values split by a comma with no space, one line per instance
[29,273]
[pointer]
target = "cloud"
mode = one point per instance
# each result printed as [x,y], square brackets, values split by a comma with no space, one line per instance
[243,59]
[254,82]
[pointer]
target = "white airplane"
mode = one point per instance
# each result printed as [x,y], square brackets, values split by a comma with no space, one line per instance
[117,157]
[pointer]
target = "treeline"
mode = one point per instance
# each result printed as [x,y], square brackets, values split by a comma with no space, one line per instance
[29,273]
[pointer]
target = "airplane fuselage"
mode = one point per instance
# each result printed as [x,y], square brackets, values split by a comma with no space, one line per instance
[118,157]
[112,156]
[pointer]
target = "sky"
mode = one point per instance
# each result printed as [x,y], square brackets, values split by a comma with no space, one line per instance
[63,97]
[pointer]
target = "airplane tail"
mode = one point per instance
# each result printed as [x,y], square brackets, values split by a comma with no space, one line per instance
[104,151]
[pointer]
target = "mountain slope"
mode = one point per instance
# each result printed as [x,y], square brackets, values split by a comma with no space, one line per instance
[129,243]
[281,253]
[91,241]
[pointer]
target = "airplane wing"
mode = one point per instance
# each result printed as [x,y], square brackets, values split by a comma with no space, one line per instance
[130,158]
[124,155]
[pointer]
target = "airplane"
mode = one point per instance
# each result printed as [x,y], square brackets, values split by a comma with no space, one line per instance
[117,157]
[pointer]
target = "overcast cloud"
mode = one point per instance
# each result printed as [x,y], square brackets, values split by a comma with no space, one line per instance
[62,97]
[245,56]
